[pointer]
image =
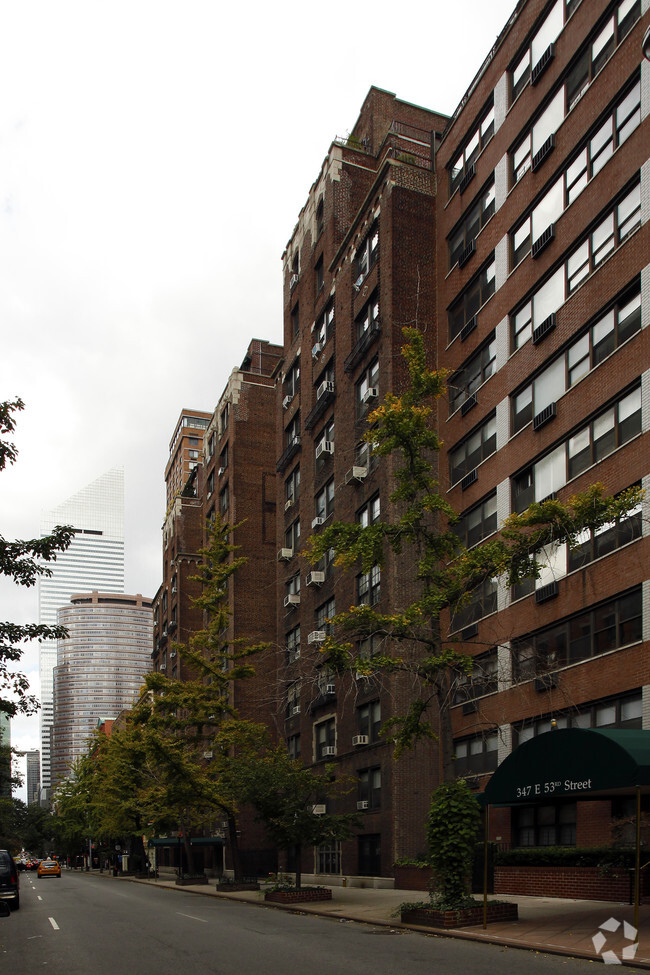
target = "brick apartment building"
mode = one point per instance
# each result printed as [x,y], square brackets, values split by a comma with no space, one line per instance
[515,235]
[543,294]
[234,475]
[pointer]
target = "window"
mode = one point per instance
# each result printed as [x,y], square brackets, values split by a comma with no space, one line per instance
[293,642]
[224,418]
[609,430]
[595,544]
[324,501]
[472,223]
[473,297]
[223,459]
[324,326]
[476,141]
[369,317]
[325,739]
[613,624]
[482,602]
[292,379]
[293,700]
[477,755]
[369,587]
[292,487]
[369,720]
[479,367]
[370,512]
[320,218]
[293,747]
[553,824]
[479,445]
[292,587]
[210,483]
[367,389]
[482,680]
[319,276]
[584,69]
[324,444]
[328,858]
[477,523]
[369,647]
[224,500]
[292,536]
[582,262]
[623,712]
[602,338]
[211,445]
[324,614]
[369,788]
[545,35]
[364,456]
[367,255]
[292,431]
[295,320]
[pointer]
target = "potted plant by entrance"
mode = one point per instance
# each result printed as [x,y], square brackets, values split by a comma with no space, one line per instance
[451,832]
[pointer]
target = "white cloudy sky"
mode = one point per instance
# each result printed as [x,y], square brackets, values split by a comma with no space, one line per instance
[154,157]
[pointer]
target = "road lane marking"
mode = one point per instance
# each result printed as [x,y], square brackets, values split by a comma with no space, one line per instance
[192,918]
[53,923]
[38,897]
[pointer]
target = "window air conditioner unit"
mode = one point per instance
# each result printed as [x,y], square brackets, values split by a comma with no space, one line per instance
[287,504]
[329,750]
[356,474]
[222,471]
[319,809]
[371,393]
[316,350]
[315,578]
[162,667]
[208,754]
[285,554]
[286,401]
[295,709]
[325,447]
[172,653]
[317,522]
[325,387]
[174,590]
[360,740]
[362,804]
[293,599]
[316,636]
[330,689]
[294,654]
[293,281]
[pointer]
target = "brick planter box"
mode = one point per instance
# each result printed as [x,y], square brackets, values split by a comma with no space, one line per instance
[582,883]
[298,896]
[412,878]
[429,917]
[191,881]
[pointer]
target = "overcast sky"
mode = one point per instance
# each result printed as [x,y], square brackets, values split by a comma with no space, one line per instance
[154,157]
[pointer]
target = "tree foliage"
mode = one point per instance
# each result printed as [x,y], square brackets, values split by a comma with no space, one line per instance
[452,824]
[23,562]
[446,573]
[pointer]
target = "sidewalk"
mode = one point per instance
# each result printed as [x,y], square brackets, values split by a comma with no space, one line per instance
[549,924]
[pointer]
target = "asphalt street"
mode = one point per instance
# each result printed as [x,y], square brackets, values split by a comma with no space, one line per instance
[84,925]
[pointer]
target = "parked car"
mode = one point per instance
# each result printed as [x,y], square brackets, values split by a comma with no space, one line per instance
[49,868]
[9,890]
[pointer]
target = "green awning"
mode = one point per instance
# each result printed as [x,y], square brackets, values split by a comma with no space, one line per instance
[580,763]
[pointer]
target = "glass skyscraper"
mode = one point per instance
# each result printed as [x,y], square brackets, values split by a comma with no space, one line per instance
[94,560]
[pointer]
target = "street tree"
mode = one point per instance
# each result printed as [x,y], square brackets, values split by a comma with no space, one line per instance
[447,574]
[24,562]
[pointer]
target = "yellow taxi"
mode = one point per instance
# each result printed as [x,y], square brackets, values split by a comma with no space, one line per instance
[49,868]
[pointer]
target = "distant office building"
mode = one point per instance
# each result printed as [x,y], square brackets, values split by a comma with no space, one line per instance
[100,668]
[33,759]
[94,560]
